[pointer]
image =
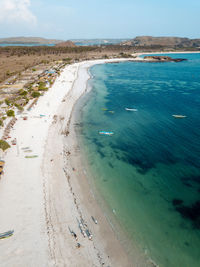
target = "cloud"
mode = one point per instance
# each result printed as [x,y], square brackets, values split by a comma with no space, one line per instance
[16,11]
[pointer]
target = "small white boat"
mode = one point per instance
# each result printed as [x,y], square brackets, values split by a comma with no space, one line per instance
[106,133]
[131,109]
[179,116]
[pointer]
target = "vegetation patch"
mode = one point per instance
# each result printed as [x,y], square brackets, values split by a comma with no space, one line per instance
[10,113]
[7,101]
[23,92]
[4,145]
[19,107]
[35,94]
[42,86]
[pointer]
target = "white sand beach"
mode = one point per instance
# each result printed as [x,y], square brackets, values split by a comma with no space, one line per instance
[42,197]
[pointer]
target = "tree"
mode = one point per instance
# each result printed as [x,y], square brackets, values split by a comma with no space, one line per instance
[4,145]
[35,94]
[10,113]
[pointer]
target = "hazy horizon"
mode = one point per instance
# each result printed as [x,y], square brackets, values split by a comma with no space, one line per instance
[98,38]
[99,19]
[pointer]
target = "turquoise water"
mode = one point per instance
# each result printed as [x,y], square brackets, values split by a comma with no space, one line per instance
[148,172]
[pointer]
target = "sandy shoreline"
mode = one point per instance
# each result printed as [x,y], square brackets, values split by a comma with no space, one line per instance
[36,198]
[41,197]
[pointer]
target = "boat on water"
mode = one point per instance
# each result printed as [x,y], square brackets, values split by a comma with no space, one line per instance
[131,109]
[179,116]
[106,133]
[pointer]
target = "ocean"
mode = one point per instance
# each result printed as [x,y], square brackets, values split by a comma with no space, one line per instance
[148,172]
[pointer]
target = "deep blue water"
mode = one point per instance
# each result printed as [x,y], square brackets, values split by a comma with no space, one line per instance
[148,172]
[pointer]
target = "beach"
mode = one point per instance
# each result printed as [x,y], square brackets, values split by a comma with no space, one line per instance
[44,193]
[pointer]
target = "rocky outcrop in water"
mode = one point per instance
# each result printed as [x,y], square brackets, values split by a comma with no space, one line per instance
[163,59]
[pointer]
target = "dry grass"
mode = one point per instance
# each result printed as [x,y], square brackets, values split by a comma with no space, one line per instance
[14,60]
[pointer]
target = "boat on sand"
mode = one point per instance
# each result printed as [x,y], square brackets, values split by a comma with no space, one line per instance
[94,220]
[6,234]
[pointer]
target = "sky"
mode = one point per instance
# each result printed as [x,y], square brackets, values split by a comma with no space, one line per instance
[88,19]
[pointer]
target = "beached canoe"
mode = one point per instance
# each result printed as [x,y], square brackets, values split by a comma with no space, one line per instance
[94,220]
[6,234]
[31,157]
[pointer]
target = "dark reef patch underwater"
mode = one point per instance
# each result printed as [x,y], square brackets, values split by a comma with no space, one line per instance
[148,171]
[191,212]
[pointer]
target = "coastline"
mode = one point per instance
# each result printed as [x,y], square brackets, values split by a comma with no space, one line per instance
[41,197]
[170,52]
[36,199]
[71,183]
[111,241]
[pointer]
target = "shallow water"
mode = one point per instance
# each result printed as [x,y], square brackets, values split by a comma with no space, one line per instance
[148,172]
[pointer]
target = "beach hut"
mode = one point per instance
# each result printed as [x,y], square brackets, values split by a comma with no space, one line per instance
[2,163]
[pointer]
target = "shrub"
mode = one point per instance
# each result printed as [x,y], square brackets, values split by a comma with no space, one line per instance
[35,94]
[10,113]
[19,107]
[23,92]
[68,59]
[7,102]
[4,145]
[29,86]
[124,55]
[42,86]
[27,100]
[33,69]
[8,73]
[44,61]
[1,122]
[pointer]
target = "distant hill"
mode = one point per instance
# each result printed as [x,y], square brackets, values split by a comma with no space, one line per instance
[162,41]
[97,41]
[66,44]
[28,40]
